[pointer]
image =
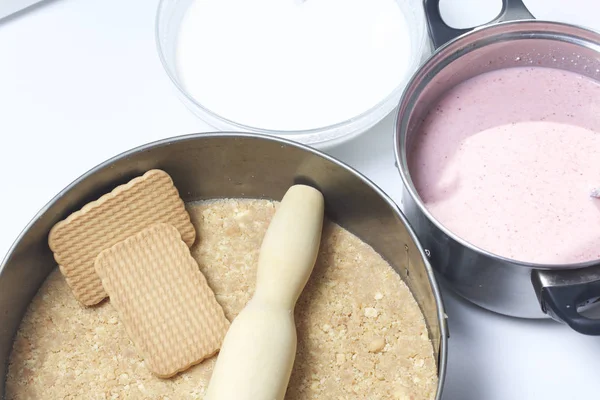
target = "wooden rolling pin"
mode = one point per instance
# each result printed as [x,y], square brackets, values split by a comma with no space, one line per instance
[257,355]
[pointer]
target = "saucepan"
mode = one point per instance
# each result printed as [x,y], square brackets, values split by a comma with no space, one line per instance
[225,165]
[497,283]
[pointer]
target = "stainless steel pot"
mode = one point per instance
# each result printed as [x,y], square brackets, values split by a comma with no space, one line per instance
[230,165]
[496,283]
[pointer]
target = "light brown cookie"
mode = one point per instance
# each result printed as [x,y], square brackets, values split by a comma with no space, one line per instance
[163,300]
[128,209]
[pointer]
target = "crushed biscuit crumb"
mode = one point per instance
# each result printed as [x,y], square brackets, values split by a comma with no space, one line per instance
[376,345]
[371,312]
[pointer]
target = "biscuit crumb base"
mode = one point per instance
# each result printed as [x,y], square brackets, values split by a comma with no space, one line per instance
[361,334]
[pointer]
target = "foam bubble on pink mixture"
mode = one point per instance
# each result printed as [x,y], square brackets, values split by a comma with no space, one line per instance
[507,161]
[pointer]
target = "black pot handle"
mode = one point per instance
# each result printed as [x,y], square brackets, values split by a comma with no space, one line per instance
[561,293]
[441,33]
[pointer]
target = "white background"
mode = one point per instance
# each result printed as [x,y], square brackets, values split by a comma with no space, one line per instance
[80,81]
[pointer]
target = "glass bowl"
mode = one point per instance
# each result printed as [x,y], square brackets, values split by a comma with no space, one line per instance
[168,19]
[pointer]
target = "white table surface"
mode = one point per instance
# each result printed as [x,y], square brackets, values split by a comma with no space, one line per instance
[80,81]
